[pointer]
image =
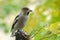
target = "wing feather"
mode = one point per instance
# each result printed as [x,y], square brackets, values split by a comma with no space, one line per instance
[15,21]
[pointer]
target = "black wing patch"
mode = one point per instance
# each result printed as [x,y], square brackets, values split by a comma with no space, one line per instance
[14,22]
[16,16]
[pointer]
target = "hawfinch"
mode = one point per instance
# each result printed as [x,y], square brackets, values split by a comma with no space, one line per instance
[20,20]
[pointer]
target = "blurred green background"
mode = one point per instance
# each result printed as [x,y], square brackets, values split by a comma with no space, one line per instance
[43,22]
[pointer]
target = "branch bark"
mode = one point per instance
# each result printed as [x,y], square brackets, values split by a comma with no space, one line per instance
[20,35]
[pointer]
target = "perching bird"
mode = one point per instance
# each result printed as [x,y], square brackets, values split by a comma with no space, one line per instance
[20,20]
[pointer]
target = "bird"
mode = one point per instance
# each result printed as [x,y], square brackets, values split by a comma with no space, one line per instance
[20,20]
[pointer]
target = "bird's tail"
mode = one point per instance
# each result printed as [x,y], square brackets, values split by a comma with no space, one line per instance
[13,33]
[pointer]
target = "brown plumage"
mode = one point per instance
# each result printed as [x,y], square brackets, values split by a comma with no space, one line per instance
[20,20]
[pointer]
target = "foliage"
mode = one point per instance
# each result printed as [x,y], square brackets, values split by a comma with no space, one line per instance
[43,23]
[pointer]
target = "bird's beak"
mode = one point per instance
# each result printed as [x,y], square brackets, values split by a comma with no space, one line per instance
[30,10]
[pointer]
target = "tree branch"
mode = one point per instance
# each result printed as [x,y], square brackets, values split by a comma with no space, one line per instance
[20,35]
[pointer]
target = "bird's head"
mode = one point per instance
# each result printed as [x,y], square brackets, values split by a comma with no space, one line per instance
[26,10]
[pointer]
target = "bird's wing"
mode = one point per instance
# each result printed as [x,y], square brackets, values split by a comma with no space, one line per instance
[15,21]
[16,17]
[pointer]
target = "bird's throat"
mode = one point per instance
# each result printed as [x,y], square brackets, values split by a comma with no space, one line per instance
[28,13]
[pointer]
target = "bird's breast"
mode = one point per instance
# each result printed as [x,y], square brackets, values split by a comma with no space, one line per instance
[23,20]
